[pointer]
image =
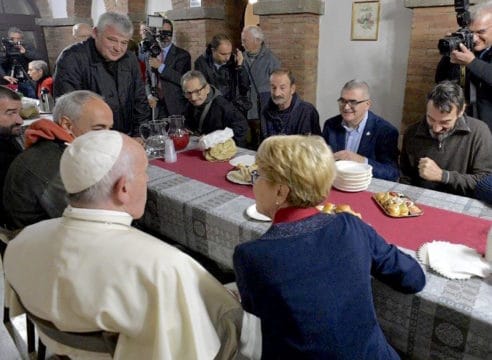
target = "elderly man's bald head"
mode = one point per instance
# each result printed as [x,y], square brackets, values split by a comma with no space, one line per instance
[81,31]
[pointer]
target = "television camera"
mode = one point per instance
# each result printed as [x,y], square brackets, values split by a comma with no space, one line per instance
[150,44]
[461,36]
[12,55]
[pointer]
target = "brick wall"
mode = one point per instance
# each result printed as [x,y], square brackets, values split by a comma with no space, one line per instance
[63,36]
[429,24]
[194,35]
[294,39]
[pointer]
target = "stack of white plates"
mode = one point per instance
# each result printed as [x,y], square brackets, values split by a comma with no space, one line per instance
[352,176]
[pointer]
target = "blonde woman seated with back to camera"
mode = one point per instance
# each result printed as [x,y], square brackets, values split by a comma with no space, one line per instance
[308,278]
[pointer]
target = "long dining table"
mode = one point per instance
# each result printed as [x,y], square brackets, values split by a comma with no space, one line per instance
[192,203]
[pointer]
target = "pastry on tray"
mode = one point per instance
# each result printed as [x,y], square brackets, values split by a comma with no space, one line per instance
[396,204]
[331,208]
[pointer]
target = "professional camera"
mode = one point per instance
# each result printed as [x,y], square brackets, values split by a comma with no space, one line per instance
[150,44]
[11,47]
[463,35]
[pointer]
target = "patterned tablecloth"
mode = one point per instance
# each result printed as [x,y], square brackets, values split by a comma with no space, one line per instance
[447,320]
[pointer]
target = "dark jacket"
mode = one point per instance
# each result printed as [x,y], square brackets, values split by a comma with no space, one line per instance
[10,148]
[379,144]
[479,74]
[220,115]
[483,191]
[172,101]
[80,67]
[465,155]
[33,188]
[303,119]
[259,67]
[309,281]
[230,79]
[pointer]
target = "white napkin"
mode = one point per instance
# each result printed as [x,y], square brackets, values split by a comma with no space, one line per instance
[453,261]
[214,138]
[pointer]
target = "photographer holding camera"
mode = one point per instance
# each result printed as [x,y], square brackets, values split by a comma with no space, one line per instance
[224,69]
[14,61]
[476,58]
[165,64]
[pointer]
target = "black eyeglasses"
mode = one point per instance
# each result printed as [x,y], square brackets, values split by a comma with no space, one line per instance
[194,92]
[351,103]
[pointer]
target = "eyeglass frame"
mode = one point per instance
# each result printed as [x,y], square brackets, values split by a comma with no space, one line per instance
[351,103]
[188,94]
[255,175]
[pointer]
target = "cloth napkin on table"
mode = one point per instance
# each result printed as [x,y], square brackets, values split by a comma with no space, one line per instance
[214,138]
[454,261]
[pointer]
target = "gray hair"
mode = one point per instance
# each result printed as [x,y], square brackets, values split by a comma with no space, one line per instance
[446,94]
[357,84]
[193,74]
[40,65]
[14,29]
[480,10]
[120,21]
[102,190]
[256,32]
[71,104]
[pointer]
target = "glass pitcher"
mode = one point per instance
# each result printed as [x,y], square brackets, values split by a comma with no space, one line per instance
[154,134]
[177,132]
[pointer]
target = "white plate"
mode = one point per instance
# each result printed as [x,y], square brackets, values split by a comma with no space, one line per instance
[254,214]
[350,189]
[352,183]
[236,181]
[246,160]
[352,167]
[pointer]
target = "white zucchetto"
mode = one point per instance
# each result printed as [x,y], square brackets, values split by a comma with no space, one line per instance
[89,158]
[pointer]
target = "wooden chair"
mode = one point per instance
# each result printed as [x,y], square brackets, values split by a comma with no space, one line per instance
[95,341]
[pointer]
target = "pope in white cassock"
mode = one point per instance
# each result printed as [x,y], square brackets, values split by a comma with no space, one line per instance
[90,270]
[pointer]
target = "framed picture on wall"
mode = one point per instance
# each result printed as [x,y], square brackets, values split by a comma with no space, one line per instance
[365,20]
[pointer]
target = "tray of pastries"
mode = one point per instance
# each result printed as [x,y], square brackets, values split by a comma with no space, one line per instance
[396,204]
[330,208]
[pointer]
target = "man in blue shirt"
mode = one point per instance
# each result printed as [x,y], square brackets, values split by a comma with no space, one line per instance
[358,134]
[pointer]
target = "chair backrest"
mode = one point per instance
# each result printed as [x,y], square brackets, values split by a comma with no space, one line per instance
[95,341]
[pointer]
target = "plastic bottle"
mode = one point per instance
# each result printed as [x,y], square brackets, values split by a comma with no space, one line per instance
[47,102]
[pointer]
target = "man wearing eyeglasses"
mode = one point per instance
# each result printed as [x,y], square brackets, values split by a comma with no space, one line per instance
[359,135]
[207,110]
[286,113]
[478,61]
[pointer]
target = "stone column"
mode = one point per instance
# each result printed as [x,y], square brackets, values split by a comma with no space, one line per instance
[291,30]
[195,27]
